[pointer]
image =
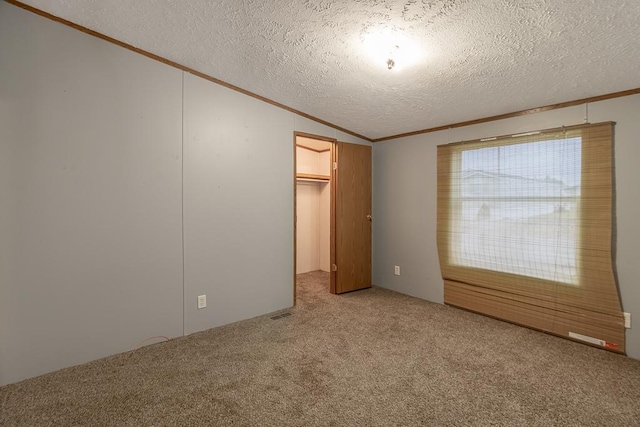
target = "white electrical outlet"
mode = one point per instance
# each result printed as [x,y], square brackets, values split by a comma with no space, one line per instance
[627,320]
[397,270]
[202,301]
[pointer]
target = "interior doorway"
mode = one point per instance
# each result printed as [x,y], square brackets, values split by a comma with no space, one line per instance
[332,214]
[314,213]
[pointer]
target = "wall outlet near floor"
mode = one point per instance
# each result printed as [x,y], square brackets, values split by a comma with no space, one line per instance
[627,320]
[202,301]
[397,270]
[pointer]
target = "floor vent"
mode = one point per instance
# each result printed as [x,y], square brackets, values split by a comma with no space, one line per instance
[280,316]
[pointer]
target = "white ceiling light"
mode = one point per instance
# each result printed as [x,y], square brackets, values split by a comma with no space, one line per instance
[391,49]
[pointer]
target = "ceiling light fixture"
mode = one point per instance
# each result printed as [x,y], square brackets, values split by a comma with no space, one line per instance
[390,63]
[390,47]
[392,53]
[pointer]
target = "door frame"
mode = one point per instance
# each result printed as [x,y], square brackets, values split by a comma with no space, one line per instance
[332,213]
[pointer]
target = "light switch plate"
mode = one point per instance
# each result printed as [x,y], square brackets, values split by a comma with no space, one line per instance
[202,301]
[627,320]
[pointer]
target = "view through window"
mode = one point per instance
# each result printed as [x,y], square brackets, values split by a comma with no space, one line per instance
[515,209]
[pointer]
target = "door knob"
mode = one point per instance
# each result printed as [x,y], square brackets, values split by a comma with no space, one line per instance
[369,217]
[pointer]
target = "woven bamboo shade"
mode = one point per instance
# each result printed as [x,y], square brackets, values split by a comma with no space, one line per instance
[525,231]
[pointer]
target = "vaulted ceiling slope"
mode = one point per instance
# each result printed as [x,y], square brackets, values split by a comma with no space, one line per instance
[475,58]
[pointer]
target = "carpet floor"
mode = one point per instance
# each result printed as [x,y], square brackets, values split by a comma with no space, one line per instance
[367,358]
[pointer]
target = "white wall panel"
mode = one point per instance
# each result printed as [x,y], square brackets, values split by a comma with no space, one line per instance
[324,163]
[324,232]
[313,211]
[308,226]
[313,227]
[307,161]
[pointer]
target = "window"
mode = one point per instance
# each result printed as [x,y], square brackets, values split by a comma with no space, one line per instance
[524,231]
[516,209]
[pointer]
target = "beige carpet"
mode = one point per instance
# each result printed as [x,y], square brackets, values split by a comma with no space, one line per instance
[368,358]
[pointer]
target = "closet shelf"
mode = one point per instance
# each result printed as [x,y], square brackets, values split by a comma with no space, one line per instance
[313,177]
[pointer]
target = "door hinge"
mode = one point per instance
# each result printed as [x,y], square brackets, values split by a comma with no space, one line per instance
[334,267]
[335,165]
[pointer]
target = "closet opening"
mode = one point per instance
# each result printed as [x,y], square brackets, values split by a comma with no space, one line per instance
[314,214]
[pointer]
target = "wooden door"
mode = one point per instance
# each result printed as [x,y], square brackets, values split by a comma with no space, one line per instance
[351,234]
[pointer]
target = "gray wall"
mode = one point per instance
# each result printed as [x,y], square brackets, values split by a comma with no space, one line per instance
[404,200]
[91,202]
[92,186]
[238,208]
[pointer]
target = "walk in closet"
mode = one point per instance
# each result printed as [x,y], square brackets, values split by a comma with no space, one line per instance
[313,207]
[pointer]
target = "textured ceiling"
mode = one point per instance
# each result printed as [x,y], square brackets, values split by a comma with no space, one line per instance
[480,57]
